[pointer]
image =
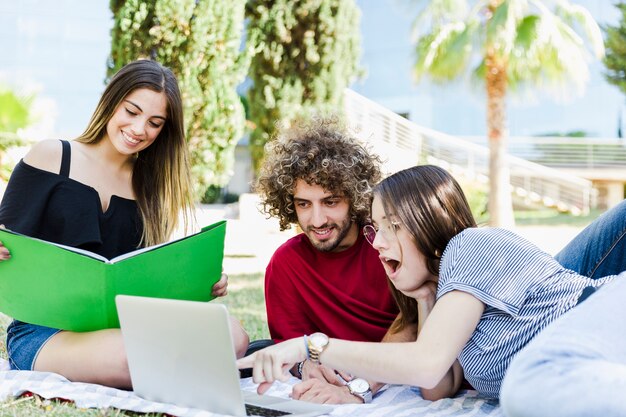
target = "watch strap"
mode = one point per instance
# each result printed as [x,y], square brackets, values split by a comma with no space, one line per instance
[300,366]
[314,351]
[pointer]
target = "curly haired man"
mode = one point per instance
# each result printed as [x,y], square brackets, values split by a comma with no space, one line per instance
[328,278]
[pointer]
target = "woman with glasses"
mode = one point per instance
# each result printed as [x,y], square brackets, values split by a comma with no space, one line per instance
[481,294]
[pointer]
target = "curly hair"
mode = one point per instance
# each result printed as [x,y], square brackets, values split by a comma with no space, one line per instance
[321,152]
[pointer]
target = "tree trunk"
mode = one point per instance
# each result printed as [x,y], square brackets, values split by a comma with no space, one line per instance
[500,205]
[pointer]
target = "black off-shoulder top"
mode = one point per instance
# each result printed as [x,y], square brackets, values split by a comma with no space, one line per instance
[56,208]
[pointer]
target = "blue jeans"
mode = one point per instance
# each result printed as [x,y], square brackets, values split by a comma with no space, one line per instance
[24,341]
[600,249]
[577,365]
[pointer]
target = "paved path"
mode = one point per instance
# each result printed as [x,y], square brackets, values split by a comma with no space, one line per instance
[250,242]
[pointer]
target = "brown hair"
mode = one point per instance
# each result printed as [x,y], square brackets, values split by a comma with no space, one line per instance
[431,206]
[161,175]
[320,152]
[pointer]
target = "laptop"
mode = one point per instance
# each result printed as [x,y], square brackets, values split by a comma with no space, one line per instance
[181,352]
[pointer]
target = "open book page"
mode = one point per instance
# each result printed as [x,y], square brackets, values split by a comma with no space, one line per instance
[117,258]
[70,248]
[153,247]
[137,252]
[80,251]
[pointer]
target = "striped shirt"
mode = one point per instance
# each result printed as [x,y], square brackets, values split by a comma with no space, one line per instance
[523,288]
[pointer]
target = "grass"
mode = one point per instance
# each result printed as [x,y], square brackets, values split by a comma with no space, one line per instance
[550,217]
[245,301]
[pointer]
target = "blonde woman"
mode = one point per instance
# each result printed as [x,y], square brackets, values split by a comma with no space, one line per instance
[121,185]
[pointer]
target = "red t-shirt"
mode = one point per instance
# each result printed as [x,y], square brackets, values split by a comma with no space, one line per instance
[343,294]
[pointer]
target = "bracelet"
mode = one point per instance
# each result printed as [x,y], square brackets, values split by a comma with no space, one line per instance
[300,366]
[306,346]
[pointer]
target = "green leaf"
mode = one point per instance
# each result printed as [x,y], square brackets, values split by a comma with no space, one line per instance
[434,13]
[497,24]
[450,52]
[527,33]
[590,28]
[14,111]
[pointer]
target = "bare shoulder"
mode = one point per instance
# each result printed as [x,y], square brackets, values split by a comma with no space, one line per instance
[45,155]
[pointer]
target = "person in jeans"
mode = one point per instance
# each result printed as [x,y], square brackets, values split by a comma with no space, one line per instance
[119,186]
[481,294]
[577,365]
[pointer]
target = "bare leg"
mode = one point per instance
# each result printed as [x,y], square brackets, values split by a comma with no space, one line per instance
[95,357]
[240,337]
[99,357]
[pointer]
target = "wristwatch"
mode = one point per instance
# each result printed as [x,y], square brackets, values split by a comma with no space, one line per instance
[300,366]
[316,344]
[360,388]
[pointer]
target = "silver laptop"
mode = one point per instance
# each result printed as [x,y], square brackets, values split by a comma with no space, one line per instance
[181,352]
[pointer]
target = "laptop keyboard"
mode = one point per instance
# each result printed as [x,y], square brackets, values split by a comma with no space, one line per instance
[255,410]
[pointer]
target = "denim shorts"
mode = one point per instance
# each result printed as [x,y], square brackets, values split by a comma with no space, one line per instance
[24,341]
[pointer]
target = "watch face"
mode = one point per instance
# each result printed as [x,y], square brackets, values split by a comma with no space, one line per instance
[359,385]
[318,339]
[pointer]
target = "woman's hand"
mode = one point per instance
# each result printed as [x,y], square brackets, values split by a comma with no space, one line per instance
[426,293]
[273,363]
[220,288]
[4,252]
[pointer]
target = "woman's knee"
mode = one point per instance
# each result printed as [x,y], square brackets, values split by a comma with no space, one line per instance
[240,337]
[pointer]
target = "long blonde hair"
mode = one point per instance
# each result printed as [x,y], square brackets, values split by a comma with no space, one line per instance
[161,177]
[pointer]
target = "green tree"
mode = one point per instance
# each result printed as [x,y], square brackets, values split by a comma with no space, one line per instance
[507,44]
[615,59]
[200,40]
[306,53]
[15,114]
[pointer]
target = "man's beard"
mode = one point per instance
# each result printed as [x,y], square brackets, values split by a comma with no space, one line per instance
[329,245]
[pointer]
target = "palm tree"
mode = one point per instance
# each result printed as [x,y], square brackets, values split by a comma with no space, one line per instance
[509,44]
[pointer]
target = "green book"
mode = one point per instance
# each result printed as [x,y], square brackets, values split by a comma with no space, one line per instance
[71,289]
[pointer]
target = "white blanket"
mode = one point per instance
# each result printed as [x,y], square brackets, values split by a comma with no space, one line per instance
[394,400]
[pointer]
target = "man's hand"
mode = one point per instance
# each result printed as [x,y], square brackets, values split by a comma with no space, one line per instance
[220,288]
[321,372]
[322,392]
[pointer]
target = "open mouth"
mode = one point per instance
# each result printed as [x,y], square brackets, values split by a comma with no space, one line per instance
[390,264]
